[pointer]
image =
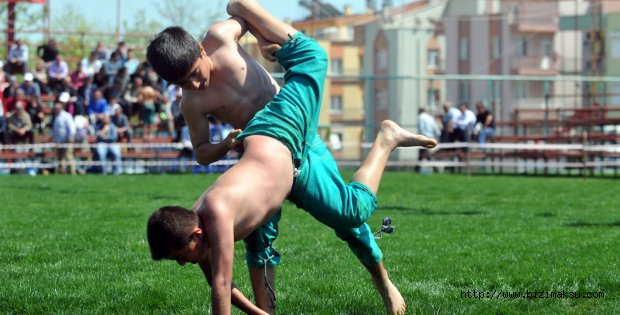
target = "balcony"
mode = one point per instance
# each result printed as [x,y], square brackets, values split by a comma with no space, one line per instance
[547,24]
[534,65]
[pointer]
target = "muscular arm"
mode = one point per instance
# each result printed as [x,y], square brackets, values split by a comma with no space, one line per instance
[238,299]
[196,118]
[221,239]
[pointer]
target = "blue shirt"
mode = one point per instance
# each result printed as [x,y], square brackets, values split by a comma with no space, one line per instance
[64,127]
[97,107]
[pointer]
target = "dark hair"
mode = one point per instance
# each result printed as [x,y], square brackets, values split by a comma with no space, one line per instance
[169,230]
[172,53]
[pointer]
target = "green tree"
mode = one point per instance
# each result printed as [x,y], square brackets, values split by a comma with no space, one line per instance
[190,14]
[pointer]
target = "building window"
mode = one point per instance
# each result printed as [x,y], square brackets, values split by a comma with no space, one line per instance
[497,48]
[523,90]
[381,99]
[433,97]
[547,46]
[335,141]
[463,92]
[381,59]
[521,48]
[336,65]
[336,104]
[433,59]
[464,50]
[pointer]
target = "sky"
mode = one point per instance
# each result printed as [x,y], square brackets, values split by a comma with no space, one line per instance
[106,10]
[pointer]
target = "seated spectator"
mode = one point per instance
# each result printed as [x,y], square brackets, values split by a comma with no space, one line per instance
[18,58]
[57,71]
[20,126]
[98,107]
[91,65]
[48,52]
[132,62]
[34,104]
[114,91]
[107,145]
[450,116]
[131,96]
[113,65]
[9,92]
[101,79]
[485,124]
[18,98]
[63,131]
[121,50]
[121,122]
[77,76]
[84,96]
[148,113]
[465,124]
[101,53]
[40,76]
[427,125]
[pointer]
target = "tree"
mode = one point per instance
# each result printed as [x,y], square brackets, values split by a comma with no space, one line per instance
[194,16]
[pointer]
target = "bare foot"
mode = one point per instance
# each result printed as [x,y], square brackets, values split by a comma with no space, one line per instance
[393,136]
[393,301]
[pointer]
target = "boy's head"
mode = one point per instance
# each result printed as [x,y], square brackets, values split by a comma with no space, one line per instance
[173,232]
[179,59]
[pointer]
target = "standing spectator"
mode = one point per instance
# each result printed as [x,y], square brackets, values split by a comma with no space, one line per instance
[427,125]
[148,114]
[132,62]
[20,126]
[56,73]
[3,123]
[450,116]
[485,124]
[120,120]
[101,53]
[18,58]
[68,102]
[49,51]
[91,65]
[63,131]
[106,144]
[84,95]
[465,123]
[40,76]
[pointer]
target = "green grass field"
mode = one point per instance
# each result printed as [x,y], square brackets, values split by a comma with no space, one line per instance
[76,245]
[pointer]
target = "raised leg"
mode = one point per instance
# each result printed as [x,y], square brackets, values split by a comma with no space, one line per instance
[390,137]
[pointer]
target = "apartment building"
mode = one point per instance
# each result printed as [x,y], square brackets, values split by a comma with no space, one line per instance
[400,47]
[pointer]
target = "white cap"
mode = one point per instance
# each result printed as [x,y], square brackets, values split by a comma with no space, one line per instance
[28,76]
[115,107]
[64,97]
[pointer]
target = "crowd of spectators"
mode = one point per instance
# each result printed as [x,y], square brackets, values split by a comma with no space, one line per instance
[110,96]
[458,124]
